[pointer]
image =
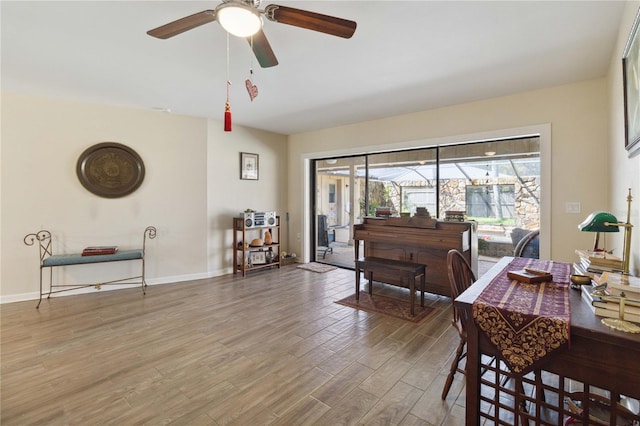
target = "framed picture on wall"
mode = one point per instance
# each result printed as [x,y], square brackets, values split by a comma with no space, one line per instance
[249,166]
[631,83]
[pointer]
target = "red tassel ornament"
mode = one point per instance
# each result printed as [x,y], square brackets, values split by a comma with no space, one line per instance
[227,117]
[227,111]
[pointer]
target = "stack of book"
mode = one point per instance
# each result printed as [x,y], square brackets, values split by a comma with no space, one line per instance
[99,250]
[608,304]
[597,262]
[383,211]
[454,216]
[422,212]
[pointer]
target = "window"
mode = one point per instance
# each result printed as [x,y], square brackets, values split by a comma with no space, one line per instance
[414,197]
[491,201]
[496,183]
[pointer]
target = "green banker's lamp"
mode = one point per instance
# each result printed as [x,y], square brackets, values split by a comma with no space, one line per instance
[606,222]
[596,223]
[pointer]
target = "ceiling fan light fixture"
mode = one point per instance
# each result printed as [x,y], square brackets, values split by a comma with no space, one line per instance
[238,19]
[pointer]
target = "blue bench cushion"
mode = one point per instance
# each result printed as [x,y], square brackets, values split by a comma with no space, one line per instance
[77,258]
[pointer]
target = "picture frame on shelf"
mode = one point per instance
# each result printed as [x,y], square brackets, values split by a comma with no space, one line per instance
[257,258]
[249,166]
[631,85]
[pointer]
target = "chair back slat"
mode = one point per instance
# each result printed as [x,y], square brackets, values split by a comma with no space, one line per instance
[461,276]
[528,245]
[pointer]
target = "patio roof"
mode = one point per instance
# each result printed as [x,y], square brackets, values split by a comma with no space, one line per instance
[453,170]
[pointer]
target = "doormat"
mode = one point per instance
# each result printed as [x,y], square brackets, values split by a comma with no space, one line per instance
[317,267]
[390,306]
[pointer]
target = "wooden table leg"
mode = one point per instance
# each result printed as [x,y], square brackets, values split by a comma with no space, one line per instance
[472,403]
[357,282]
[412,291]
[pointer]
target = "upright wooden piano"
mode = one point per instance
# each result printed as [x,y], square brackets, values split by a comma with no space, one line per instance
[419,241]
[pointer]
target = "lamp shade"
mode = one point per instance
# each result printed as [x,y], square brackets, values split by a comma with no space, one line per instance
[238,19]
[598,222]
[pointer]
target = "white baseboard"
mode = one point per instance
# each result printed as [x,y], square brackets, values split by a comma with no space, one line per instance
[22,297]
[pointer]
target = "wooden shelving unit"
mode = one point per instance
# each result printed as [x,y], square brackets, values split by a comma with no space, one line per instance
[242,237]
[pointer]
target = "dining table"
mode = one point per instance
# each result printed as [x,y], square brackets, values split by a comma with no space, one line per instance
[538,354]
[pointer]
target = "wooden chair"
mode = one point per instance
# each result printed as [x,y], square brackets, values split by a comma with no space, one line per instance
[528,245]
[461,276]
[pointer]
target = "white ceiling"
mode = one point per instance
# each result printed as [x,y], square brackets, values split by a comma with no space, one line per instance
[405,56]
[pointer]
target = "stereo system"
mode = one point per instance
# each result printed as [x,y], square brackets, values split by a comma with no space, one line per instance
[258,219]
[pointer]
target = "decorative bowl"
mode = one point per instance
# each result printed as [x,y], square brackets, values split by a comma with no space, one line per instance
[580,279]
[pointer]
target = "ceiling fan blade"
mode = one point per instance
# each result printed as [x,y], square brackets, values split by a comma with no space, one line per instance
[310,20]
[262,49]
[183,24]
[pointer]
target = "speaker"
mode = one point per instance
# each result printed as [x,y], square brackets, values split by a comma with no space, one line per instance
[249,220]
[270,218]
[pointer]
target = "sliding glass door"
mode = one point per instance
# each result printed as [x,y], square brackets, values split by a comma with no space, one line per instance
[338,204]
[496,184]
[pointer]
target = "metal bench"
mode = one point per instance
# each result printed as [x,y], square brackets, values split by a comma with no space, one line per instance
[407,271]
[50,260]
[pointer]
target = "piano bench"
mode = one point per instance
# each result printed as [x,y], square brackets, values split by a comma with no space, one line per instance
[408,272]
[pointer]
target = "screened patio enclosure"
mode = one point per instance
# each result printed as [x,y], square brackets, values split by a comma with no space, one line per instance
[496,184]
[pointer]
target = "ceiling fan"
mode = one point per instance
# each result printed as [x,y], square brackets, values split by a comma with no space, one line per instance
[243,19]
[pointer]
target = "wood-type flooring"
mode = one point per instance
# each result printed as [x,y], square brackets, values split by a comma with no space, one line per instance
[269,349]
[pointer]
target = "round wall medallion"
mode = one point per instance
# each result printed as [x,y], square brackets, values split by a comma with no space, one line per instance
[110,170]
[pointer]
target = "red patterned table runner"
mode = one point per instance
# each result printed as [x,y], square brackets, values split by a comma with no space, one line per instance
[525,321]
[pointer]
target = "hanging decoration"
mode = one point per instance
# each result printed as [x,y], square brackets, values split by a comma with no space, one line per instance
[227,106]
[252,89]
[227,111]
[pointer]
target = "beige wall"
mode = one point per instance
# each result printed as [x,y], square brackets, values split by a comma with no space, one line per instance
[190,192]
[625,172]
[576,115]
[228,195]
